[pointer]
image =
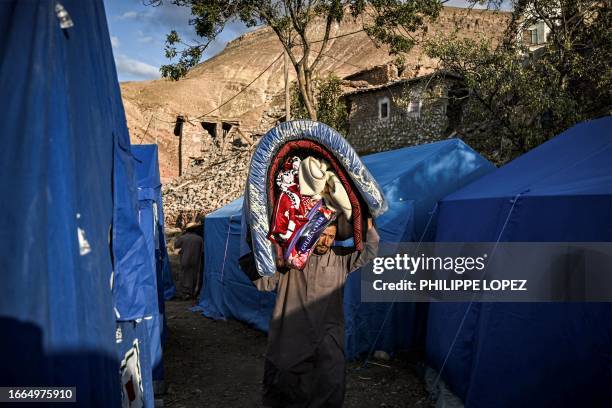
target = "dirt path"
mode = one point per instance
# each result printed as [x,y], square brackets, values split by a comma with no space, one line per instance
[220,364]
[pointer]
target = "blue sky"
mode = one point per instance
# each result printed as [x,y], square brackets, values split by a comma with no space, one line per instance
[138,33]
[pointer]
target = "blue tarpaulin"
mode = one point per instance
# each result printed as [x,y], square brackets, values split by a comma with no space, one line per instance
[413,179]
[64,164]
[135,280]
[531,354]
[149,189]
[227,292]
[151,218]
[134,283]
[132,345]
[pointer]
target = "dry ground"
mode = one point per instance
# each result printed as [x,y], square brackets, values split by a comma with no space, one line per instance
[220,364]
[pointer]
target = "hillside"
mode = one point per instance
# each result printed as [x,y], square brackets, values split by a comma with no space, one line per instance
[153,106]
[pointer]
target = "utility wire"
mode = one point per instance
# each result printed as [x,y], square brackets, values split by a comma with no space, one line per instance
[270,66]
[343,62]
[332,38]
[242,90]
[259,76]
[146,130]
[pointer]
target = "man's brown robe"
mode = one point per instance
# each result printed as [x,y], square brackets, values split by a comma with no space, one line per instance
[305,364]
[190,245]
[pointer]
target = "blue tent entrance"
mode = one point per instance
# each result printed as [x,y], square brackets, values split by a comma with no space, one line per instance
[413,180]
[531,354]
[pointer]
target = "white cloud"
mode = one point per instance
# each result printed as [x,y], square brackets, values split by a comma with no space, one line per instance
[128,15]
[115,42]
[145,39]
[132,67]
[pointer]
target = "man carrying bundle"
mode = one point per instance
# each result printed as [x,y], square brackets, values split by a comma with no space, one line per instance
[305,363]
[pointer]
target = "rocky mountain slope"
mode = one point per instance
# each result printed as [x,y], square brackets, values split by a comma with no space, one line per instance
[251,67]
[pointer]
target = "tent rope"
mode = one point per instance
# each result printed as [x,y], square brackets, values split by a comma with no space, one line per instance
[388,313]
[467,310]
[229,226]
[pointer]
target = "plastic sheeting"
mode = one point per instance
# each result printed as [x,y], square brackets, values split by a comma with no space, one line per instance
[62,106]
[151,218]
[531,354]
[134,284]
[135,364]
[149,188]
[227,292]
[256,208]
[412,179]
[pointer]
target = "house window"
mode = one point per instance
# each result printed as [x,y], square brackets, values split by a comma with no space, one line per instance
[534,37]
[383,108]
[414,108]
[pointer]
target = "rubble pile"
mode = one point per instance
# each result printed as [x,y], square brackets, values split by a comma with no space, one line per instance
[213,183]
[216,178]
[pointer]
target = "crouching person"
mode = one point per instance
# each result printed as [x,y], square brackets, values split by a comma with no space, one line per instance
[305,363]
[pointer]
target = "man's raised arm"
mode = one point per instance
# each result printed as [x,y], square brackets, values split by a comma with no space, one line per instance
[370,249]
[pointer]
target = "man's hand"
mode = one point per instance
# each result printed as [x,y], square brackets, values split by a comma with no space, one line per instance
[370,223]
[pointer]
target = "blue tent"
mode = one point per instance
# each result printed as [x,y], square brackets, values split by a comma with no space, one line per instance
[149,189]
[132,349]
[531,354]
[227,292]
[67,151]
[413,180]
[134,279]
[134,284]
[151,218]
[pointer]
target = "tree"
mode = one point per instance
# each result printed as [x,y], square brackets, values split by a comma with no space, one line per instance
[519,98]
[294,23]
[331,108]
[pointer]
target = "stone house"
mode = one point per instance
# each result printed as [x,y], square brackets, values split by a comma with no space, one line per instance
[391,107]
[399,112]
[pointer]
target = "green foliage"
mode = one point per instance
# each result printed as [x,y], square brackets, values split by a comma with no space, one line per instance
[189,57]
[331,108]
[209,19]
[513,99]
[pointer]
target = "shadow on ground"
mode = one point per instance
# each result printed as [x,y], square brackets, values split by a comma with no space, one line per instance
[220,364]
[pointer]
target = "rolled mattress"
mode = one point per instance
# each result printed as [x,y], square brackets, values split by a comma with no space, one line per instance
[279,143]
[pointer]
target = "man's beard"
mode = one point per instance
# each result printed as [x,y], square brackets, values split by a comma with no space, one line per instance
[321,249]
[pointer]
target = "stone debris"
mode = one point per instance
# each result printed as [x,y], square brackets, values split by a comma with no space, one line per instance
[206,187]
[217,177]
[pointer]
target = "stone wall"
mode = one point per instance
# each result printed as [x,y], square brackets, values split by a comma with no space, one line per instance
[199,144]
[378,75]
[368,133]
[194,140]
